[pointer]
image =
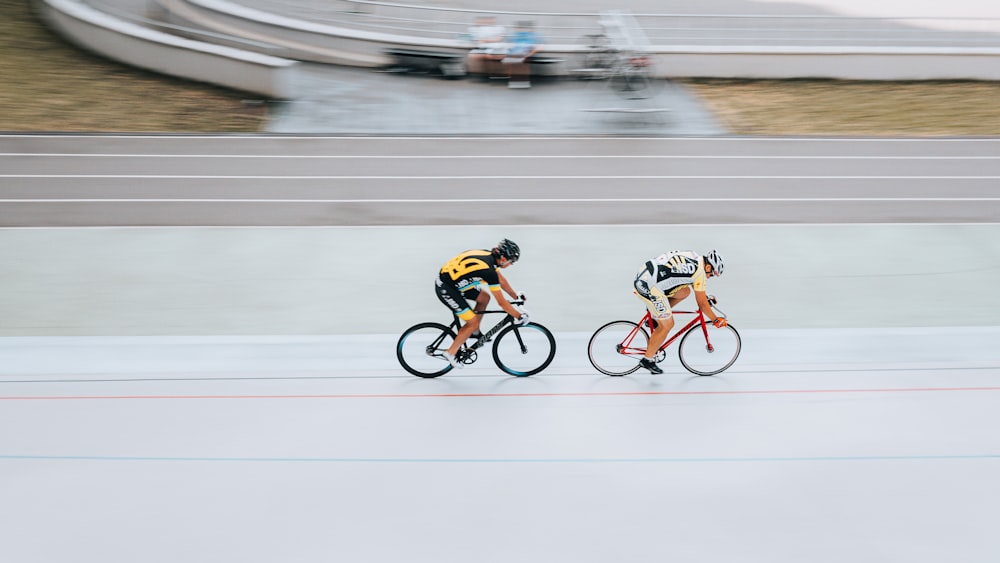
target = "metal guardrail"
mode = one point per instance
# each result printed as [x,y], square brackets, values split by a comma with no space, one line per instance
[661,29]
[355,33]
[180,30]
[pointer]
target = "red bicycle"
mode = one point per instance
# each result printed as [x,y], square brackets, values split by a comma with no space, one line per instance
[617,347]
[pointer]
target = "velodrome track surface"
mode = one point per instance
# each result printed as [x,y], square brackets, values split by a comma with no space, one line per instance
[205,390]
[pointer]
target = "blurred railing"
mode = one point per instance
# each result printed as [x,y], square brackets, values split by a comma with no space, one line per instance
[661,29]
[357,32]
[152,22]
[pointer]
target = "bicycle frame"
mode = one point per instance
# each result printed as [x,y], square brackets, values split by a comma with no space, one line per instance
[616,347]
[488,335]
[517,349]
[626,347]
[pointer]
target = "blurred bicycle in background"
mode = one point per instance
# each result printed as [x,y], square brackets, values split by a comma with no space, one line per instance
[620,55]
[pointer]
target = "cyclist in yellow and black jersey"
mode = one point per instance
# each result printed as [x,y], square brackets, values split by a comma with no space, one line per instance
[665,281]
[461,280]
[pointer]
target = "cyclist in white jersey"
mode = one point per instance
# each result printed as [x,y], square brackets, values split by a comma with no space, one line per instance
[665,281]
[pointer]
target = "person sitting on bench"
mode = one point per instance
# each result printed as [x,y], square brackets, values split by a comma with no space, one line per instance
[490,46]
[523,43]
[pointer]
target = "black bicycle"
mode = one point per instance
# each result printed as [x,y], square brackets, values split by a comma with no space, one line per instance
[519,350]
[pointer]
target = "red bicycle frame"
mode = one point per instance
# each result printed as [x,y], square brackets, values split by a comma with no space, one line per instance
[626,347]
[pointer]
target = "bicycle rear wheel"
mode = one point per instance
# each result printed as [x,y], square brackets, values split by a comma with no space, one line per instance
[420,349]
[617,347]
[632,84]
[524,350]
[711,354]
[598,60]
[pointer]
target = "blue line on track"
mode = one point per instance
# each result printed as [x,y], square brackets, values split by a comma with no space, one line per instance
[499,460]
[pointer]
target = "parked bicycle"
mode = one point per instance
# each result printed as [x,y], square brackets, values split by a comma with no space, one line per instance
[628,72]
[520,350]
[615,348]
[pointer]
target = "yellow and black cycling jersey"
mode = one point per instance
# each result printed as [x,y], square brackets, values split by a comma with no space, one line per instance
[470,269]
[671,271]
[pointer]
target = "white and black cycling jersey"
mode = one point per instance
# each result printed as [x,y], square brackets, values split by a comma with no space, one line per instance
[671,271]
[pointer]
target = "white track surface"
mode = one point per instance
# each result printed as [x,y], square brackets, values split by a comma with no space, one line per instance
[819,446]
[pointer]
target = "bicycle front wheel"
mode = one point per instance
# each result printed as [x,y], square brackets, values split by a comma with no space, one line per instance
[709,353]
[420,349]
[617,347]
[524,350]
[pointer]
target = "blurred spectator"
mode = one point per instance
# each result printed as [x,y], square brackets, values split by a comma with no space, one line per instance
[522,44]
[490,48]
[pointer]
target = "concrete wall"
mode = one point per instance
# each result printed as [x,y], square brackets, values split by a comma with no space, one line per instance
[839,63]
[297,39]
[160,52]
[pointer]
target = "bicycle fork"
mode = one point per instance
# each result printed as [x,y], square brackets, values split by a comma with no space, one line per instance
[704,331]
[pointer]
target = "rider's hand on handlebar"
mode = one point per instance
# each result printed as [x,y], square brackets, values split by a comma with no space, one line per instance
[720,322]
[521,297]
[522,320]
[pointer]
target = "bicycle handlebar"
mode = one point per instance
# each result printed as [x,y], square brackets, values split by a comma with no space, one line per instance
[713,302]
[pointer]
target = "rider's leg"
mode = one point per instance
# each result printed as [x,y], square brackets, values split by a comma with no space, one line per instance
[472,323]
[456,302]
[467,329]
[659,336]
[482,300]
[659,309]
[664,326]
[679,295]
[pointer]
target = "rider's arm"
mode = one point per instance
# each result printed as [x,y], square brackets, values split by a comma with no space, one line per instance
[504,304]
[506,285]
[705,306]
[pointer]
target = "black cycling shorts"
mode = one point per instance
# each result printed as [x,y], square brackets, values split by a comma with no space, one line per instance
[454,299]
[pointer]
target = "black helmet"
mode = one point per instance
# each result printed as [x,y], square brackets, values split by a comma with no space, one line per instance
[508,249]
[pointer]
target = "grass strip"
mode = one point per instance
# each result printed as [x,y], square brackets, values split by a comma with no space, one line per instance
[853,107]
[50,85]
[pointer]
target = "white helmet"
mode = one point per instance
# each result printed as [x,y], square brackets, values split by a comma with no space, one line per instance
[715,261]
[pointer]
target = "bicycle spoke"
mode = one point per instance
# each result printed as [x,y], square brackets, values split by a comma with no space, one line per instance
[524,350]
[711,356]
[615,348]
[419,349]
